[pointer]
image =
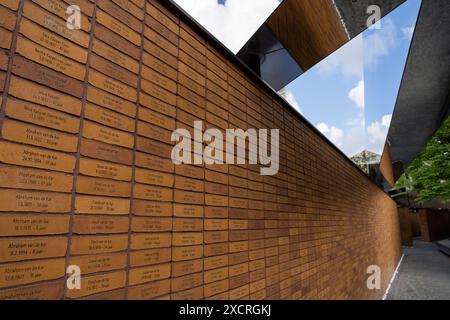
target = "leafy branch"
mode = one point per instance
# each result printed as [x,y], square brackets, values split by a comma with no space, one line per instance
[429,174]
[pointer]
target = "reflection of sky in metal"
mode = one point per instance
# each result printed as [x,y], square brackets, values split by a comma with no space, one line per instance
[232,22]
[350,96]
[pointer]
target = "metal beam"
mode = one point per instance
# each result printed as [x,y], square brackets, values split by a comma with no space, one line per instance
[423,100]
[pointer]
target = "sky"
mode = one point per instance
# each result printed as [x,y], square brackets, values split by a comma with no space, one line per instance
[350,95]
[232,22]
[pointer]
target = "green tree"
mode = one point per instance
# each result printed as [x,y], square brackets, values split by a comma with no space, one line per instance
[429,174]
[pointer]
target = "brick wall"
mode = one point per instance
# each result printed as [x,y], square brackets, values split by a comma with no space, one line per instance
[386,168]
[91,183]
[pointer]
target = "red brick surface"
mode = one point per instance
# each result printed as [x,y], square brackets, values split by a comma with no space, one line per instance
[222,232]
[434,224]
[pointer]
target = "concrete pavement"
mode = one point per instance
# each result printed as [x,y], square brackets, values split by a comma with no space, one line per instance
[423,275]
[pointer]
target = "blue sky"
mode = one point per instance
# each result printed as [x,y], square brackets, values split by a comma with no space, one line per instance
[348,96]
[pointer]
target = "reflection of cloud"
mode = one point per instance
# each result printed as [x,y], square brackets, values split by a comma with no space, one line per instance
[351,140]
[379,43]
[334,134]
[358,121]
[365,50]
[346,61]
[234,21]
[377,133]
[356,94]
[408,32]
[355,139]
[386,120]
[287,94]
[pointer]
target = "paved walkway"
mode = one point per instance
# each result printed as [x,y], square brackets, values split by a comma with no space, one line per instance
[423,275]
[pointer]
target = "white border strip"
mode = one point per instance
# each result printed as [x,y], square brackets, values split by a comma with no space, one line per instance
[393,278]
[342,20]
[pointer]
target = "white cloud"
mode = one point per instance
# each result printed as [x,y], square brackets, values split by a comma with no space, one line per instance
[323,127]
[354,139]
[347,60]
[408,32]
[350,140]
[377,133]
[334,134]
[379,43]
[386,120]
[365,50]
[356,94]
[288,95]
[358,121]
[232,23]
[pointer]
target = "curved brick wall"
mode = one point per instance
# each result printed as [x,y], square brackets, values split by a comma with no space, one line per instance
[86,177]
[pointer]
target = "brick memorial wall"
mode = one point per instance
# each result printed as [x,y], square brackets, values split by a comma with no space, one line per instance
[86,177]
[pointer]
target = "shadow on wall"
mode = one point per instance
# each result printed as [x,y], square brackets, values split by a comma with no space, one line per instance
[428,224]
[415,227]
[434,224]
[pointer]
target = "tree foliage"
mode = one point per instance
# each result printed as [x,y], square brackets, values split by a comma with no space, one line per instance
[429,174]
